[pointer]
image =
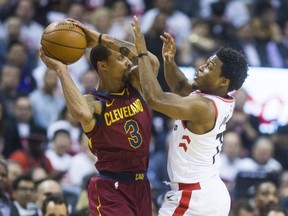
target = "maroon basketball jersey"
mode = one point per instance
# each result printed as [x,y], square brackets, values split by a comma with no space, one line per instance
[122,135]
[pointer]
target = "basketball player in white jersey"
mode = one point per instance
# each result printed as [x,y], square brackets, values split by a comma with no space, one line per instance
[203,108]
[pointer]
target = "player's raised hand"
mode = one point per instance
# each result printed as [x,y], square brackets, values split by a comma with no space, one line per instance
[51,63]
[139,39]
[168,48]
[91,35]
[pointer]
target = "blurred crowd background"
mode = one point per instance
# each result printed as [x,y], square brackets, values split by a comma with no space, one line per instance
[42,147]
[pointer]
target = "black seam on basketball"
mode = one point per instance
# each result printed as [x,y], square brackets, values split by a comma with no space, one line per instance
[62,44]
[54,30]
[52,56]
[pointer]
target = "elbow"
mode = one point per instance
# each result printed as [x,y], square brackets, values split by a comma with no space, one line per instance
[155,63]
[82,116]
[152,100]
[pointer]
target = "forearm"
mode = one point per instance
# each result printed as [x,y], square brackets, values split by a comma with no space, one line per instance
[151,88]
[175,78]
[76,102]
[124,47]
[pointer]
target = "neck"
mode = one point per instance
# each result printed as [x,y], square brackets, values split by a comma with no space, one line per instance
[111,88]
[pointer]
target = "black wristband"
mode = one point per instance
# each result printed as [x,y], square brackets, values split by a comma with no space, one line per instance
[99,39]
[143,54]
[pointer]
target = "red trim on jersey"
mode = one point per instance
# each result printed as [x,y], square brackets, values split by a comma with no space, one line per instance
[183,124]
[216,116]
[185,198]
[229,100]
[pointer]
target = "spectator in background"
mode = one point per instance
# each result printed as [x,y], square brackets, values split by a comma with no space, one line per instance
[46,188]
[2,127]
[7,207]
[236,12]
[54,205]
[268,33]
[31,31]
[242,208]
[178,23]
[60,141]
[18,55]
[199,43]
[280,138]
[82,205]
[38,174]
[24,195]
[20,127]
[81,164]
[89,80]
[121,18]
[11,34]
[9,80]
[261,159]
[246,125]
[101,19]
[265,196]
[230,159]
[74,128]
[46,102]
[285,39]
[14,170]
[154,43]
[246,42]
[33,155]
[222,31]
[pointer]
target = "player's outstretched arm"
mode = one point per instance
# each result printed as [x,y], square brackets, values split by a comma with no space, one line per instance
[81,109]
[175,106]
[175,78]
[126,48]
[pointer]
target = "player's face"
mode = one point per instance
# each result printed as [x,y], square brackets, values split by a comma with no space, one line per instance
[208,76]
[119,65]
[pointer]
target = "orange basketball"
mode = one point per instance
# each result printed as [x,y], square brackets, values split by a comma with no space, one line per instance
[64,41]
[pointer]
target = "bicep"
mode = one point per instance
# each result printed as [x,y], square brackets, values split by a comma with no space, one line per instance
[183,108]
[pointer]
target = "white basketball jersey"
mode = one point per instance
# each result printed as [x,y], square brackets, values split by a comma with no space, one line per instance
[195,158]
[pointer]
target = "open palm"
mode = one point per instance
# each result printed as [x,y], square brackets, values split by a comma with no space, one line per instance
[168,48]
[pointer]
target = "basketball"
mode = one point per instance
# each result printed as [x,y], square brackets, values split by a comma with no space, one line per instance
[63,41]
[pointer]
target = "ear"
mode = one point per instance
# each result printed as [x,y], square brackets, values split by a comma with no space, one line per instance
[225,82]
[101,65]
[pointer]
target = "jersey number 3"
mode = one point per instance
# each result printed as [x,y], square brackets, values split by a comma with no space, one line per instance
[132,130]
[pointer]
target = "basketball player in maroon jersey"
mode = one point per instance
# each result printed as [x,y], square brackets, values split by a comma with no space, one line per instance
[117,122]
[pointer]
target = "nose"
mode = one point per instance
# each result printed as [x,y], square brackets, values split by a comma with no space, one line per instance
[128,63]
[201,67]
[128,60]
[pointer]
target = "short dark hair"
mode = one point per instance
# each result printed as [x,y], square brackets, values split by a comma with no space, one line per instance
[234,67]
[56,199]
[99,53]
[59,131]
[24,177]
